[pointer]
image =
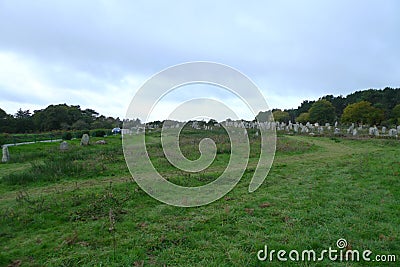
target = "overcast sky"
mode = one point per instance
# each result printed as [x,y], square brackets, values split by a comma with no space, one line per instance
[97,54]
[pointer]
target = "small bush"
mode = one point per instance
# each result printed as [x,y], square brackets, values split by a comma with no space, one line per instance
[78,134]
[67,136]
[98,133]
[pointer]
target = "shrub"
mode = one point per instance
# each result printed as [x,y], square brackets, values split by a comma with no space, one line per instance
[67,136]
[98,133]
[78,134]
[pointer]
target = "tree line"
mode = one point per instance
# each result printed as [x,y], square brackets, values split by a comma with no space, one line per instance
[55,117]
[372,107]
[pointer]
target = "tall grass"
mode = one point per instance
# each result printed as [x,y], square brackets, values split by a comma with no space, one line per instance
[53,164]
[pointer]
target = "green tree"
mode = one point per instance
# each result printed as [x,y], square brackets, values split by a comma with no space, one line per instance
[396,114]
[362,112]
[22,114]
[303,117]
[322,112]
[7,122]
[80,125]
[304,107]
[23,121]
[281,116]
[3,114]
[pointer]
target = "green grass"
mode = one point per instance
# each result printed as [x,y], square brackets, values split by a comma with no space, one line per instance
[318,190]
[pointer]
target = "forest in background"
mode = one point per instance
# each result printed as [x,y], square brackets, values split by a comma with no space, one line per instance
[372,107]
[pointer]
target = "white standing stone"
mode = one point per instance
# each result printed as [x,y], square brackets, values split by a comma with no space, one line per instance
[373,131]
[393,133]
[6,154]
[64,146]
[85,140]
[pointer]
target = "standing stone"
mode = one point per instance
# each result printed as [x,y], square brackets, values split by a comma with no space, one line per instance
[304,129]
[64,146]
[6,154]
[376,131]
[351,128]
[393,133]
[373,131]
[85,140]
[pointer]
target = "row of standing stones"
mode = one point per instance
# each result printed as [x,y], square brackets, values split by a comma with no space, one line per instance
[84,142]
[63,146]
[307,128]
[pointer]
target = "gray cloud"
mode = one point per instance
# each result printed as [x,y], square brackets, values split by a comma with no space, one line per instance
[293,50]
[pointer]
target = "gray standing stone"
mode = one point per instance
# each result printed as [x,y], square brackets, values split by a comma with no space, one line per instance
[85,140]
[6,154]
[393,132]
[64,145]
[351,128]
[373,131]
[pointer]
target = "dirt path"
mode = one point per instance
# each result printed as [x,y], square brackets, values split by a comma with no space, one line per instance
[328,150]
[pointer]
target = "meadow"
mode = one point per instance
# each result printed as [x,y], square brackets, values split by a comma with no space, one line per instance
[81,207]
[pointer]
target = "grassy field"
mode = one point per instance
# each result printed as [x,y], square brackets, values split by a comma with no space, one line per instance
[82,208]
